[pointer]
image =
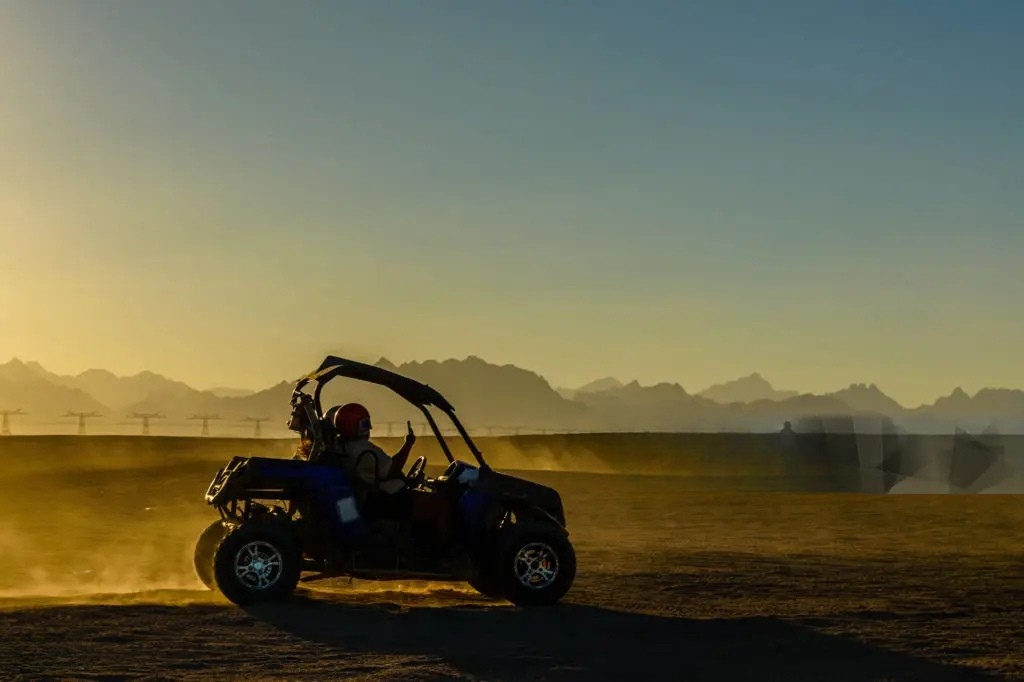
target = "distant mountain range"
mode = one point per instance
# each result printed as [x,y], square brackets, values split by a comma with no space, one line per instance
[747,389]
[502,398]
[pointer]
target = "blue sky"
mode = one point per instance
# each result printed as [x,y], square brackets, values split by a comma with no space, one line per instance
[822,192]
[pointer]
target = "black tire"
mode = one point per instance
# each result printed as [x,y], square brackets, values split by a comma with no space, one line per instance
[484,578]
[206,547]
[486,582]
[536,545]
[277,563]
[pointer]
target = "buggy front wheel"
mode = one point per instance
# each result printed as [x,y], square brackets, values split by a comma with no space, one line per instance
[486,583]
[537,565]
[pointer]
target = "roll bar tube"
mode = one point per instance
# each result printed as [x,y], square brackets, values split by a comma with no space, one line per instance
[469,441]
[437,433]
[449,411]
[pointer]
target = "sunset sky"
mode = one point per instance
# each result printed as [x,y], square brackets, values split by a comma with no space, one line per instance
[223,192]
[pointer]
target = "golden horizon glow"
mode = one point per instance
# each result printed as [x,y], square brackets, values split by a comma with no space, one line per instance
[174,199]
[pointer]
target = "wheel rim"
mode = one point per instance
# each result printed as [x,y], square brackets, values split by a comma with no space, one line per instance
[536,566]
[258,565]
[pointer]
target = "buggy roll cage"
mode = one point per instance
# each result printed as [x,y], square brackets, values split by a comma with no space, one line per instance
[420,395]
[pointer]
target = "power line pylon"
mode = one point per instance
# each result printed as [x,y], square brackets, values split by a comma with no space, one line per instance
[82,416]
[145,417]
[206,421]
[5,427]
[259,420]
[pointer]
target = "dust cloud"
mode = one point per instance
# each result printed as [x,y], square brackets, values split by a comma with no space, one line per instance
[119,516]
[551,456]
[116,518]
[97,536]
[73,553]
[99,518]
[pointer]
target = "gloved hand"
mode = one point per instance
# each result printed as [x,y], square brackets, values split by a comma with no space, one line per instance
[410,437]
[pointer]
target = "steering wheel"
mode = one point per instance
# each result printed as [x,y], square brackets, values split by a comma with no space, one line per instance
[417,472]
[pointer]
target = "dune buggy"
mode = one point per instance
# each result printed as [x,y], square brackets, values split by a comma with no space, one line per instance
[286,520]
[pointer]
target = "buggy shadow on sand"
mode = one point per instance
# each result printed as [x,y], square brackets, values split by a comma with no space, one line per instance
[523,644]
[283,520]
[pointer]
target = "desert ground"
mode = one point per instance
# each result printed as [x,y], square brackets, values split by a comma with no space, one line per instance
[681,576]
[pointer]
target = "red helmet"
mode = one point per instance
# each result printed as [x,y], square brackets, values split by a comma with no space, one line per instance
[352,421]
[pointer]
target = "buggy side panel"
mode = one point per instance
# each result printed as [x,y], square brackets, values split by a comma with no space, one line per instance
[476,513]
[327,490]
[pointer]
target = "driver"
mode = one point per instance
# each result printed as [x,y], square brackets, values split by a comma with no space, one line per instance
[367,461]
[371,465]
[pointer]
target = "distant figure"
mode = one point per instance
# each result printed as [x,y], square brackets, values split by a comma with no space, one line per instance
[374,467]
[788,439]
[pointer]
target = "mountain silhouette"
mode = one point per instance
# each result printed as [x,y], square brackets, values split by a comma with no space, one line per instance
[26,385]
[999,409]
[770,415]
[662,407]
[17,371]
[228,392]
[592,387]
[505,397]
[868,398]
[748,389]
[126,393]
[497,395]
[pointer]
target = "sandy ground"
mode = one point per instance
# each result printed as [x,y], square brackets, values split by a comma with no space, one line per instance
[677,580]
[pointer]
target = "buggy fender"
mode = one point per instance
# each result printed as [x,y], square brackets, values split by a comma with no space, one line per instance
[525,510]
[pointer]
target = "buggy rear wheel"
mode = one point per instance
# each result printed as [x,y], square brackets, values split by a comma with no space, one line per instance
[206,547]
[537,565]
[257,562]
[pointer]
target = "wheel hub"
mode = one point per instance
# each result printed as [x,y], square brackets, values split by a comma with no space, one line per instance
[536,565]
[258,565]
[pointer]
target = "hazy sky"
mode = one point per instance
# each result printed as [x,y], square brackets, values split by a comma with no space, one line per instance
[224,191]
